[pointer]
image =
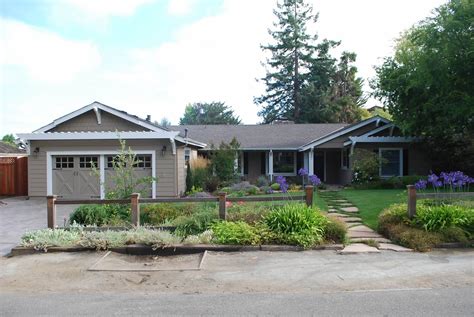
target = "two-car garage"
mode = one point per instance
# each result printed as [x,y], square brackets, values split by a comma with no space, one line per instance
[79,176]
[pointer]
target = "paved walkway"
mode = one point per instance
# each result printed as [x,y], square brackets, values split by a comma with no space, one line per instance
[361,237]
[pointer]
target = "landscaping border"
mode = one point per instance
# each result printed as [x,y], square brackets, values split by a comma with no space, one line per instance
[139,249]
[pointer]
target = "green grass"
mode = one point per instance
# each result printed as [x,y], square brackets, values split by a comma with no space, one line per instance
[317,200]
[371,202]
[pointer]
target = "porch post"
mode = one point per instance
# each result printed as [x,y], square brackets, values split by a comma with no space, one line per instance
[270,164]
[311,161]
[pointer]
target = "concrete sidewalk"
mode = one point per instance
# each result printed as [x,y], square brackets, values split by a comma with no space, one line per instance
[18,215]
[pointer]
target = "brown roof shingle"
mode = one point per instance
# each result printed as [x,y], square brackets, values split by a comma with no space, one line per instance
[264,136]
[8,148]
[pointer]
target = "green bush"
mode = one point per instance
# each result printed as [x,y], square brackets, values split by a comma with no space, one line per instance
[196,223]
[200,176]
[414,238]
[275,186]
[91,215]
[335,230]
[262,181]
[239,232]
[454,234]
[365,168]
[297,224]
[45,238]
[158,214]
[247,212]
[390,183]
[393,215]
[434,218]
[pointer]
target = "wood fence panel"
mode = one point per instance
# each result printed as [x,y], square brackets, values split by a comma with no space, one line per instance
[7,175]
[21,177]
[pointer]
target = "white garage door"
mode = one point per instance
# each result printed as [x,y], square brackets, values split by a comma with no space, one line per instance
[73,177]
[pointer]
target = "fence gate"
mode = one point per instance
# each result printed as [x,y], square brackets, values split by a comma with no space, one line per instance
[13,176]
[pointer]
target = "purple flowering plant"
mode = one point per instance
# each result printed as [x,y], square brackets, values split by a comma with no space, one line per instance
[283,184]
[453,181]
[303,172]
[314,180]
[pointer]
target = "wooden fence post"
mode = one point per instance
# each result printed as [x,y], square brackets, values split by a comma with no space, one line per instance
[309,195]
[411,201]
[222,206]
[135,198]
[51,206]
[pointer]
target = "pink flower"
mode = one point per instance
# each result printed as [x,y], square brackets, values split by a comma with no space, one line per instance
[240,203]
[228,204]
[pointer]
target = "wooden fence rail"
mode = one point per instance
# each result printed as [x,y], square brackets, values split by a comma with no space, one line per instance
[413,196]
[135,201]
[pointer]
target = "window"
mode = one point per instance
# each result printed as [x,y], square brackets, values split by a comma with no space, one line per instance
[88,161]
[187,155]
[110,162]
[392,162]
[143,161]
[345,158]
[64,162]
[284,163]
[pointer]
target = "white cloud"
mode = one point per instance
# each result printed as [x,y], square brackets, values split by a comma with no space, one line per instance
[181,7]
[44,55]
[104,8]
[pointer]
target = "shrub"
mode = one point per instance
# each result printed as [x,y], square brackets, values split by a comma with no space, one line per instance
[45,238]
[91,215]
[200,176]
[195,224]
[297,224]
[212,183]
[239,232]
[249,213]
[335,230]
[414,238]
[202,238]
[189,178]
[222,160]
[454,234]
[434,218]
[393,215]
[275,186]
[262,181]
[157,214]
[365,166]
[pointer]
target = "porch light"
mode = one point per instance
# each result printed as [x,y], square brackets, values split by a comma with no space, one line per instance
[163,150]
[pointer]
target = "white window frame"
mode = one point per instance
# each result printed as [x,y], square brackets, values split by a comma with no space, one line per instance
[343,151]
[400,171]
[102,154]
[189,154]
[284,174]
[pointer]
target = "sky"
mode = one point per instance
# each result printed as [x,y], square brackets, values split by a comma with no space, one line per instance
[153,57]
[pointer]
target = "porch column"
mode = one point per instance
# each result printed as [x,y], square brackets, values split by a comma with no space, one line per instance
[102,176]
[270,164]
[311,161]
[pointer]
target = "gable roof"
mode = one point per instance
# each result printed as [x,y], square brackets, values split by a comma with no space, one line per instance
[259,137]
[6,148]
[100,106]
[341,132]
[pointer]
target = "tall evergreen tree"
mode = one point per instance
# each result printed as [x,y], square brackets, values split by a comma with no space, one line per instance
[289,66]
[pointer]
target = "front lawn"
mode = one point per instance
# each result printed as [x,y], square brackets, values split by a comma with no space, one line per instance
[371,202]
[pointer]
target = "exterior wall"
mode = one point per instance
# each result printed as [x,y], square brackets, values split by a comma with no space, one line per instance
[88,122]
[181,170]
[418,162]
[166,172]
[333,167]
[254,168]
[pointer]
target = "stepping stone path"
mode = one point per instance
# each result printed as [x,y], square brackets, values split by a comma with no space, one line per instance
[357,232]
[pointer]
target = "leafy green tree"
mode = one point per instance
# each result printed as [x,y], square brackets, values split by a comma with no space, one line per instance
[209,113]
[9,138]
[222,161]
[428,84]
[289,67]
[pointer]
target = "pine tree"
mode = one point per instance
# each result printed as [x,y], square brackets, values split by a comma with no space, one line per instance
[289,67]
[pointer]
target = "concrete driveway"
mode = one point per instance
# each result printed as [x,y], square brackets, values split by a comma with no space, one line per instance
[18,215]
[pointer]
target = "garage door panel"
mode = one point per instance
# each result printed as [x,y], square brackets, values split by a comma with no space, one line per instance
[73,177]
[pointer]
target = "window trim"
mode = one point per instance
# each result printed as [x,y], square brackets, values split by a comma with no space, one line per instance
[400,157]
[294,164]
[343,151]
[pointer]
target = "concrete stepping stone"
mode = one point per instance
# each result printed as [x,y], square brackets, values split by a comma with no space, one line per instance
[362,228]
[339,200]
[351,219]
[338,215]
[352,234]
[352,224]
[346,205]
[350,209]
[356,248]
[393,247]
[332,210]
[379,240]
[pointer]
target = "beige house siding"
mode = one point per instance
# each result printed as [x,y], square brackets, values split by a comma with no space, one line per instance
[181,170]
[166,185]
[88,122]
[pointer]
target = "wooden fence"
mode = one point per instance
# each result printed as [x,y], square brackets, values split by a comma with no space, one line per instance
[413,196]
[135,201]
[14,176]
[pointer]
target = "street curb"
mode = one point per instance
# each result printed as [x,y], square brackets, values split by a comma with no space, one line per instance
[138,249]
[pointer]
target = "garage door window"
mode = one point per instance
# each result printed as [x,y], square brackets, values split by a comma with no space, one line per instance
[144,161]
[88,161]
[64,162]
